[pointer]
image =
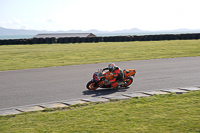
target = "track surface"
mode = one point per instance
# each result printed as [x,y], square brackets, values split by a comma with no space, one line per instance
[41,85]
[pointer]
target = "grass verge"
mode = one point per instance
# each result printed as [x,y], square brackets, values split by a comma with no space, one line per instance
[156,114]
[14,57]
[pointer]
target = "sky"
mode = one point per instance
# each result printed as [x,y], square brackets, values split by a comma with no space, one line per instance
[102,15]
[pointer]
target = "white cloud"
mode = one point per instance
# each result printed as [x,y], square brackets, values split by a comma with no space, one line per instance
[26,27]
[4,26]
[50,20]
[39,20]
[11,22]
[16,21]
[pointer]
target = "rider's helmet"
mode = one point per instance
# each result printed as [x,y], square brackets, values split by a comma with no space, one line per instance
[111,67]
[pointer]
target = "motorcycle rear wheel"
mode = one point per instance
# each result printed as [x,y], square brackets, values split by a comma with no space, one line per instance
[129,81]
[91,86]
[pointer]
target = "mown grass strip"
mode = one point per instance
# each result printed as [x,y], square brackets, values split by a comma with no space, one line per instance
[159,113]
[14,57]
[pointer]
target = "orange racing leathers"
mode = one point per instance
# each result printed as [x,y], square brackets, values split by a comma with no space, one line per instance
[117,75]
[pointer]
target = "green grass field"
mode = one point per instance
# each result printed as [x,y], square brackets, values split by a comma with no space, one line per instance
[14,57]
[169,113]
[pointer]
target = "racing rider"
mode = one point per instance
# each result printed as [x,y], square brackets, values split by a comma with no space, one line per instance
[117,75]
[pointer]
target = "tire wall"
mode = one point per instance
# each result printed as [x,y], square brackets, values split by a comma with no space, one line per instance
[100,39]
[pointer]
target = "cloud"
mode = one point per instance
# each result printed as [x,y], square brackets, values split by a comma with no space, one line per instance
[39,20]
[17,21]
[26,26]
[49,20]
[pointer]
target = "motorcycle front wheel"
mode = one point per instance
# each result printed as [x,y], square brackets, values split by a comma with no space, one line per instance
[128,81]
[91,86]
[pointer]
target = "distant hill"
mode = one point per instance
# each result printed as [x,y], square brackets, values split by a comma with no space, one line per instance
[4,31]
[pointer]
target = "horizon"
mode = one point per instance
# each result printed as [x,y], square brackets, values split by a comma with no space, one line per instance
[101,15]
[21,34]
[183,29]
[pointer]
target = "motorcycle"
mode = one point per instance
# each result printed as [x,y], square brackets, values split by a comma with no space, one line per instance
[100,79]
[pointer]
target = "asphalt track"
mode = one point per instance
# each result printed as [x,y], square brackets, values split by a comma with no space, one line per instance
[42,85]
